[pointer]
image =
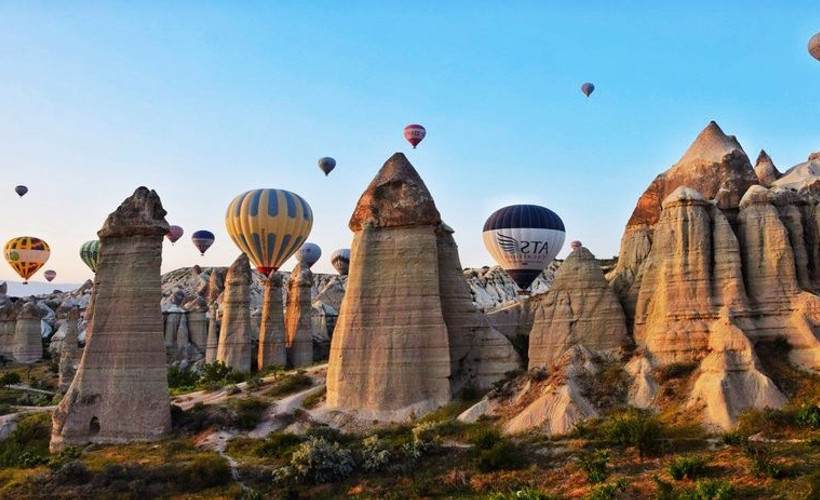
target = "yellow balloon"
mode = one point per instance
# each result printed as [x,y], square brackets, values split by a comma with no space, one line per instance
[26,255]
[268,225]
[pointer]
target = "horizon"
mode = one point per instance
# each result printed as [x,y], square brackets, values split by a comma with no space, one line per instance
[101,100]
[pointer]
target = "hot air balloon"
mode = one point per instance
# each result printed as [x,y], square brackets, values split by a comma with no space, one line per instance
[327,164]
[26,254]
[814,46]
[268,225]
[575,245]
[21,190]
[587,88]
[203,240]
[524,239]
[414,134]
[50,274]
[90,254]
[309,253]
[174,233]
[341,260]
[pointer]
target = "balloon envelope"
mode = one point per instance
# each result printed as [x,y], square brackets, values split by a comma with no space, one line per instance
[327,164]
[414,134]
[26,254]
[524,239]
[21,190]
[203,240]
[587,88]
[50,274]
[309,253]
[341,260]
[174,233]
[90,254]
[814,46]
[575,245]
[268,225]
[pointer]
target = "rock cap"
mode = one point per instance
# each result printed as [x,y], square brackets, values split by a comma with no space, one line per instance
[141,214]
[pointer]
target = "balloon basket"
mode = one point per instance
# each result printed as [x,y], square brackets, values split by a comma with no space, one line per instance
[525,293]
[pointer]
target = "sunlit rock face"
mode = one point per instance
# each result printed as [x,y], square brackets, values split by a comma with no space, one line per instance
[123,370]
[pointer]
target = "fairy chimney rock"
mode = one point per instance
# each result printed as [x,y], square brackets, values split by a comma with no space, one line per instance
[272,350]
[28,346]
[123,369]
[234,348]
[298,322]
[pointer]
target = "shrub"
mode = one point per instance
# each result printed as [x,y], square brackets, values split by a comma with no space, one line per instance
[665,490]
[676,370]
[714,490]
[205,471]
[594,464]
[277,445]
[762,463]
[65,455]
[10,378]
[521,494]
[686,467]
[249,412]
[375,453]
[181,377]
[314,398]
[484,438]
[73,472]
[28,443]
[317,461]
[289,385]
[808,416]
[769,421]
[607,491]
[214,372]
[735,438]
[633,427]
[503,455]
[254,383]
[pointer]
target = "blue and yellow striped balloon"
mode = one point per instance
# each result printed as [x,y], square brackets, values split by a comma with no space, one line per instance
[268,225]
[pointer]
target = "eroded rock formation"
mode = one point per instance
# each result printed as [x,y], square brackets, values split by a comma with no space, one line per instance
[298,322]
[234,348]
[120,391]
[28,346]
[272,350]
[69,350]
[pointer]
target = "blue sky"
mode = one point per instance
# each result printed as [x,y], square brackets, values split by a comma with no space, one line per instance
[204,100]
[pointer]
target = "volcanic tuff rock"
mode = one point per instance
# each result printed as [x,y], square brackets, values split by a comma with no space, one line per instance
[579,309]
[272,329]
[716,167]
[123,370]
[765,170]
[69,351]
[803,176]
[28,346]
[390,355]
[8,325]
[234,348]
[298,322]
[479,354]
[692,271]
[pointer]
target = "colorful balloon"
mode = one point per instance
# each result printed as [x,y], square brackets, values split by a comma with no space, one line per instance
[26,254]
[327,164]
[268,225]
[203,240]
[309,253]
[814,46]
[174,233]
[21,190]
[414,134]
[524,239]
[90,254]
[575,245]
[587,88]
[50,274]
[341,260]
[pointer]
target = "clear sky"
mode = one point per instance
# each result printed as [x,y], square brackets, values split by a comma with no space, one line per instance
[203,100]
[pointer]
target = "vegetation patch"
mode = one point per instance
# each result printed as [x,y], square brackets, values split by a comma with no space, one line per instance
[289,384]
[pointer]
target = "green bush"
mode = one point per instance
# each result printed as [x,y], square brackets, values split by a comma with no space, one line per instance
[769,421]
[10,378]
[278,445]
[735,438]
[203,472]
[214,372]
[808,416]
[289,385]
[317,461]
[521,494]
[314,398]
[375,453]
[503,455]
[249,412]
[181,377]
[28,443]
[686,467]
[594,464]
[484,438]
[607,491]
[714,490]
[73,472]
[633,427]
[762,463]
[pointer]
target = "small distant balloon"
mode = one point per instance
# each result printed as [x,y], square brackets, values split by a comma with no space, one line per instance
[203,240]
[414,134]
[327,164]
[90,254]
[174,233]
[814,46]
[50,274]
[575,245]
[587,88]
[309,253]
[26,255]
[341,260]
[21,190]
